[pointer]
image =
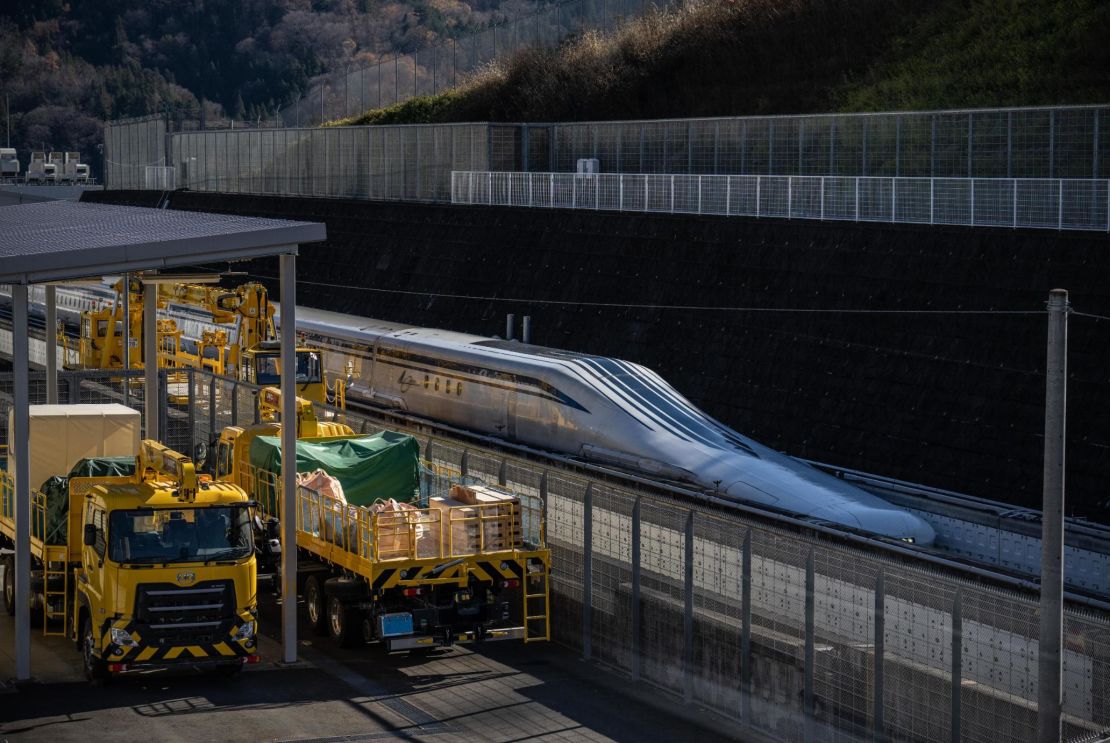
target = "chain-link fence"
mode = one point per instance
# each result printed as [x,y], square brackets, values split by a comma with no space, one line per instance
[1060,142]
[795,634]
[999,202]
[369,162]
[130,147]
[444,65]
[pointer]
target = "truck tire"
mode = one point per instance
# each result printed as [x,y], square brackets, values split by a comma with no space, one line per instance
[316,605]
[9,586]
[96,670]
[344,623]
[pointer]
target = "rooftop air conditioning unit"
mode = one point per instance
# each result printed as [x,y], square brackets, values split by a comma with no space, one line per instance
[589,166]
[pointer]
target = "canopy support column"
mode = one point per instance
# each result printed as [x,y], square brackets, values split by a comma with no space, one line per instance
[289,457]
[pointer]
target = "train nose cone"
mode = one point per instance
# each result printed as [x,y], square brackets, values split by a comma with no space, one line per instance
[888,522]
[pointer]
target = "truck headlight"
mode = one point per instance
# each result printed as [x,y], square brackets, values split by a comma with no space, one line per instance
[245,631]
[122,638]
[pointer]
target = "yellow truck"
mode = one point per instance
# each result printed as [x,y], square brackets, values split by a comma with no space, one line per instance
[149,568]
[380,561]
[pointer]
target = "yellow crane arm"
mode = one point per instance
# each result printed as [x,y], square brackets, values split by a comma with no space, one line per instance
[158,461]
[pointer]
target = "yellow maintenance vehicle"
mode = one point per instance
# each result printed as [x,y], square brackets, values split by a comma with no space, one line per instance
[149,568]
[383,554]
[230,332]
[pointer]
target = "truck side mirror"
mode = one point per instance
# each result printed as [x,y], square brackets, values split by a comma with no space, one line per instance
[90,535]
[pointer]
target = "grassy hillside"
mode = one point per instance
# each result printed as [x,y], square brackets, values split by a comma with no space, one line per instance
[736,57]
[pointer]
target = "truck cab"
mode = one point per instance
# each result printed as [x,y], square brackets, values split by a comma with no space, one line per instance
[166,574]
[261,365]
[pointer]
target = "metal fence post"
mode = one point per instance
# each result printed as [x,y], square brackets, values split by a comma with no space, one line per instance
[212,404]
[857,198]
[672,194]
[464,463]
[972,213]
[699,194]
[808,657]
[551,186]
[957,664]
[637,661]
[688,612]
[234,403]
[746,630]
[878,655]
[893,198]
[1059,204]
[789,196]
[192,411]
[758,185]
[163,405]
[932,200]
[502,472]
[728,194]
[587,569]
[1013,189]
[620,187]
[822,198]
[574,192]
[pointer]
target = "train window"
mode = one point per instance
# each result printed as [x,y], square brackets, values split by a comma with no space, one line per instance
[458,388]
[427,381]
[437,384]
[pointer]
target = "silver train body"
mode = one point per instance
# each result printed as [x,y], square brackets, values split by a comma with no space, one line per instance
[602,410]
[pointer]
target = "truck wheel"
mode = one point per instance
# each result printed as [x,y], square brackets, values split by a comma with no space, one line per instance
[9,586]
[343,621]
[316,606]
[96,670]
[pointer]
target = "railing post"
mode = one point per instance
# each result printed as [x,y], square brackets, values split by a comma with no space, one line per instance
[758,199]
[809,654]
[893,198]
[531,200]
[822,198]
[932,200]
[212,404]
[551,196]
[509,176]
[637,660]
[645,177]
[728,194]
[957,664]
[489,186]
[878,655]
[192,412]
[574,192]
[1060,203]
[688,613]
[1013,188]
[972,181]
[746,630]
[587,569]
[502,471]
[620,198]
[699,194]
[672,194]
[789,197]
[857,198]
[464,462]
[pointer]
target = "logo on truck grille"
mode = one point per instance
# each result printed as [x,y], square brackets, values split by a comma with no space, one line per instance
[187,577]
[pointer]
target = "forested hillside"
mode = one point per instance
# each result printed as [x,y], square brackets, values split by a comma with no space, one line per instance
[68,65]
[737,57]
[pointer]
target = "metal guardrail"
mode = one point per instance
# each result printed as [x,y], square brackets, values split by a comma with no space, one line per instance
[1060,204]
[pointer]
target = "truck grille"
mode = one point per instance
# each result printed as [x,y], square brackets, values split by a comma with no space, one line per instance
[167,614]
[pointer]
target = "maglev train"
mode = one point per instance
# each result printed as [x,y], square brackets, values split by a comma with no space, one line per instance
[600,409]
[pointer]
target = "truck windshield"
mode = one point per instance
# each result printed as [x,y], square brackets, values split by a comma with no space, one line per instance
[180,535]
[268,368]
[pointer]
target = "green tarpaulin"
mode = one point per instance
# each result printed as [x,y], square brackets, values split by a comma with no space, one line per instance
[56,490]
[370,468]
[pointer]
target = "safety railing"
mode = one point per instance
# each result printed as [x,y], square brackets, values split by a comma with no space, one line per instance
[1042,203]
[403,531]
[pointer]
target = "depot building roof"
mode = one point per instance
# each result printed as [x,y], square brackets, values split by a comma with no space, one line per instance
[66,240]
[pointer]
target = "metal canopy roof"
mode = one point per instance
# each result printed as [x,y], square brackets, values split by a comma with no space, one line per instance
[64,240]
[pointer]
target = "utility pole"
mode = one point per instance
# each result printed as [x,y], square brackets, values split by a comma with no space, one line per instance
[1050,660]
